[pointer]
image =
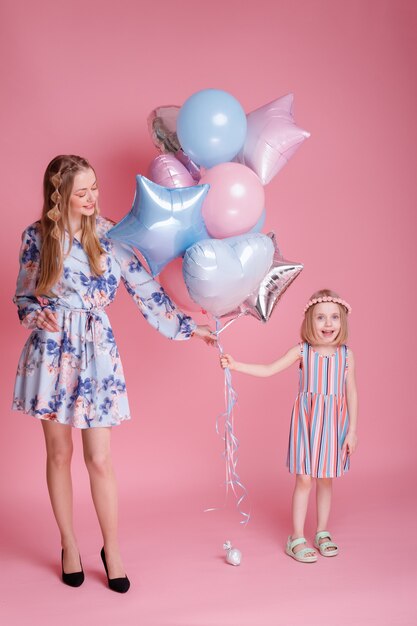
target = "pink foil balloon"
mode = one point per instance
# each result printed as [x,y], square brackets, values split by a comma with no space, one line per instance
[235,201]
[172,280]
[167,171]
[272,138]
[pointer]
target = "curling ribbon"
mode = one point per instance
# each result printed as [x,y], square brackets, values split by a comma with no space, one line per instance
[231,442]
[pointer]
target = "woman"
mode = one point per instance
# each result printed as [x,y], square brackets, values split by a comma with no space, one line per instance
[70,373]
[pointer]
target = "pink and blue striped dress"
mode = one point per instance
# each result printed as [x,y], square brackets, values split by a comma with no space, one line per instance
[320,419]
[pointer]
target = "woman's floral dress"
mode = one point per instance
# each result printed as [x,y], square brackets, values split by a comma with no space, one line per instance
[75,376]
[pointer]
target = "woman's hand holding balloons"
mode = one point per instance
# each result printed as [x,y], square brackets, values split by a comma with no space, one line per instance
[206,334]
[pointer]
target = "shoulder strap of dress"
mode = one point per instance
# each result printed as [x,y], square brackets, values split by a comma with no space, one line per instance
[346,353]
[304,349]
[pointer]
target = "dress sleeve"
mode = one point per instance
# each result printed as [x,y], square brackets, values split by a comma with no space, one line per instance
[25,299]
[155,305]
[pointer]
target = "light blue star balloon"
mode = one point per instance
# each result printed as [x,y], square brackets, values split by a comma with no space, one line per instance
[162,222]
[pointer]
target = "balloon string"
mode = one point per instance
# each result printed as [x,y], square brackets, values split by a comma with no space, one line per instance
[231,442]
[220,330]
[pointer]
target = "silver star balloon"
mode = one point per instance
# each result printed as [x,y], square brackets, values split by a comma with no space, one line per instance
[162,125]
[162,222]
[276,281]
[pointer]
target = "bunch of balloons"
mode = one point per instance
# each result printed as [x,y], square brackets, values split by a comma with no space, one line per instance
[197,218]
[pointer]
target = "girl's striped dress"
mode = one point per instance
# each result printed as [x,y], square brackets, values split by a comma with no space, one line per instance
[320,420]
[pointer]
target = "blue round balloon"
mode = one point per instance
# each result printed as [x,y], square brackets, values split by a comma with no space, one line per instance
[211,127]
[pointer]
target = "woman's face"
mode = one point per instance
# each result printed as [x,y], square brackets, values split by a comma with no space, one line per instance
[84,194]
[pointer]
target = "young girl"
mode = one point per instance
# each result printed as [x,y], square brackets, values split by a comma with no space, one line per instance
[324,417]
[70,374]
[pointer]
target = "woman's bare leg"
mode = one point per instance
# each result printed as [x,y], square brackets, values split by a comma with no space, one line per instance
[97,456]
[58,440]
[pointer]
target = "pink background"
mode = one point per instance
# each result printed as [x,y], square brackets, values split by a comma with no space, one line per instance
[81,77]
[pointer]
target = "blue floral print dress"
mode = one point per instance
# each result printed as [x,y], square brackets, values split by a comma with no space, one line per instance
[75,376]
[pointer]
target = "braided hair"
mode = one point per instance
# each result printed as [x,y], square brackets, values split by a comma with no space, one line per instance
[58,183]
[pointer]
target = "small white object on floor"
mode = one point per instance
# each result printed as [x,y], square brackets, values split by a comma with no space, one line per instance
[233,555]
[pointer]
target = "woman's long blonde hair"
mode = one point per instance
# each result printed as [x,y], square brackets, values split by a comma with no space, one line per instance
[58,183]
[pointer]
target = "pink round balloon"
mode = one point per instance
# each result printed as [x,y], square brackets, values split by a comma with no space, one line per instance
[167,171]
[172,281]
[235,201]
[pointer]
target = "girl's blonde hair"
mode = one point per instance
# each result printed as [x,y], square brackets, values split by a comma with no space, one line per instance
[58,183]
[307,327]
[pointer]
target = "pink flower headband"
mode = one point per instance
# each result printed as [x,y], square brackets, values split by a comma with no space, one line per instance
[328,299]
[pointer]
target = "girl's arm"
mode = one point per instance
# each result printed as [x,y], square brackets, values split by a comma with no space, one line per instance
[260,369]
[351,439]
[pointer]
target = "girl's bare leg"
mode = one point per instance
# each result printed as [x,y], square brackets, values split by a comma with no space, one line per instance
[324,503]
[302,489]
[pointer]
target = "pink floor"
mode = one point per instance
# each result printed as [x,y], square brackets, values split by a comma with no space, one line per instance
[174,558]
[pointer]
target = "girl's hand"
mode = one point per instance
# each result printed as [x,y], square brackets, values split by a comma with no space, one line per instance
[350,444]
[206,334]
[227,361]
[47,320]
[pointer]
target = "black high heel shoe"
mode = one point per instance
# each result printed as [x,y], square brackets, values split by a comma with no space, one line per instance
[121,585]
[75,579]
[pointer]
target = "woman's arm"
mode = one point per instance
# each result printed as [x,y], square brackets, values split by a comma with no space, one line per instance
[155,305]
[27,303]
[32,313]
[260,369]
[351,439]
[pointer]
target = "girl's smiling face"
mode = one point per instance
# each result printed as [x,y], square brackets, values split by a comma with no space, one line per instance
[326,322]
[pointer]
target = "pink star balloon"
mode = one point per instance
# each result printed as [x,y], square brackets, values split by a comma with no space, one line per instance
[272,138]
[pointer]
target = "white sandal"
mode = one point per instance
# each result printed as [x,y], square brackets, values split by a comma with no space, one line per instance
[323,547]
[301,554]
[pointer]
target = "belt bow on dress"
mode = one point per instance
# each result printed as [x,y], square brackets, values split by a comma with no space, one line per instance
[93,325]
